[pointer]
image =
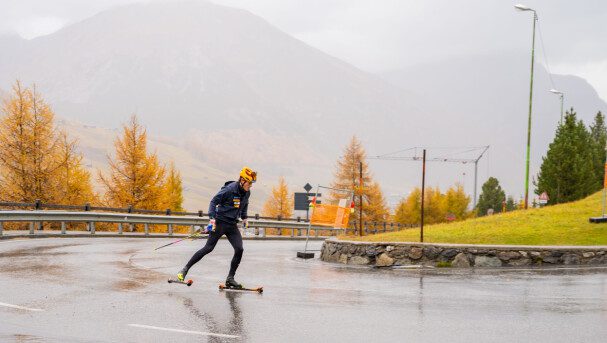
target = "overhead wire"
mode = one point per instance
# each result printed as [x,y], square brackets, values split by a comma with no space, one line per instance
[539,30]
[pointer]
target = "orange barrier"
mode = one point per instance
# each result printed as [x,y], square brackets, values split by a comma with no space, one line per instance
[330,215]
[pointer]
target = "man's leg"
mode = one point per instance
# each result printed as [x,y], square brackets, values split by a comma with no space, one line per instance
[208,247]
[234,237]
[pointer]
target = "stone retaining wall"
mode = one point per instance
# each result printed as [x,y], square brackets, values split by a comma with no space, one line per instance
[458,255]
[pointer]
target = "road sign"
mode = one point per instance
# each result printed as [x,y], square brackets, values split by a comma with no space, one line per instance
[302,200]
[544,198]
[307,187]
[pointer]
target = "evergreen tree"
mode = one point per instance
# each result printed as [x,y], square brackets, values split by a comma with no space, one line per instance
[491,196]
[136,177]
[567,172]
[347,177]
[598,139]
[510,204]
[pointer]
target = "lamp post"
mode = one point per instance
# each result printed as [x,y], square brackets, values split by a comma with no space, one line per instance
[525,8]
[561,95]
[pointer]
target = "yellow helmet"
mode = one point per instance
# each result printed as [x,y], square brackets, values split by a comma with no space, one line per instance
[248,174]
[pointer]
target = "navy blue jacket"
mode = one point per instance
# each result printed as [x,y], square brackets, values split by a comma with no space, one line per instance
[230,203]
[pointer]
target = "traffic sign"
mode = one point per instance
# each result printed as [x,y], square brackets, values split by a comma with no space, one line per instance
[544,198]
[307,187]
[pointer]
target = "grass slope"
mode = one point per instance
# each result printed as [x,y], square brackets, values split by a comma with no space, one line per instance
[564,224]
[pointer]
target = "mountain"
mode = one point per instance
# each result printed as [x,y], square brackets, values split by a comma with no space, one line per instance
[224,83]
[220,88]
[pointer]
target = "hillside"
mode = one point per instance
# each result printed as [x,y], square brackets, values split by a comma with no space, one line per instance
[231,89]
[564,224]
[200,182]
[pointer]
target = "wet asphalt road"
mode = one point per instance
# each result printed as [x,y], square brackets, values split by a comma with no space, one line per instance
[115,290]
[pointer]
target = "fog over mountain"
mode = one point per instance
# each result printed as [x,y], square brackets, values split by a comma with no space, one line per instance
[229,89]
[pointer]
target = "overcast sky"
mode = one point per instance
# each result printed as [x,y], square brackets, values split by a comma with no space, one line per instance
[383,35]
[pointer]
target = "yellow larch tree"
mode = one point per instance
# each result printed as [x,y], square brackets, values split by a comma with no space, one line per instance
[437,206]
[456,202]
[173,190]
[31,154]
[347,177]
[280,202]
[408,210]
[44,149]
[136,178]
[16,140]
[73,179]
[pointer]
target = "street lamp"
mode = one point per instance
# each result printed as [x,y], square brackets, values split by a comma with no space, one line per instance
[525,8]
[561,95]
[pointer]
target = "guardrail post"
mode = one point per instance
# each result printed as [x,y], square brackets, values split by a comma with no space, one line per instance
[63,228]
[293,232]
[316,233]
[131,227]
[384,226]
[191,229]
[146,227]
[1,228]
[39,226]
[120,228]
[31,228]
[92,228]
[264,232]
[169,226]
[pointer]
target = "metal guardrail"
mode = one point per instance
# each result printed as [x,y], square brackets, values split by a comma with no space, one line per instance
[38,205]
[37,217]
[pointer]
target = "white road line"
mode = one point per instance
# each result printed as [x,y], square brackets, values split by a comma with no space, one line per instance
[21,307]
[183,331]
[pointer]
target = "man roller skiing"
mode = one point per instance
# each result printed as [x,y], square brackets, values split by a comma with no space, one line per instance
[229,204]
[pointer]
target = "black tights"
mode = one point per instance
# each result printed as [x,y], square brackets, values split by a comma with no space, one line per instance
[233,234]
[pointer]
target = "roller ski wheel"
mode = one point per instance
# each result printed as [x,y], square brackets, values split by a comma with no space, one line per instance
[187,283]
[223,287]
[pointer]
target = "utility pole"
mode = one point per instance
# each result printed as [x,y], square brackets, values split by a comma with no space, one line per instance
[421,230]
[360,198]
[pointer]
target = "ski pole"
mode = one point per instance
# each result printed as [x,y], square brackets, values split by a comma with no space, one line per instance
[177,241]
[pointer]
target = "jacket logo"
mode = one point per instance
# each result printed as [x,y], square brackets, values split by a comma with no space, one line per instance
[236,202]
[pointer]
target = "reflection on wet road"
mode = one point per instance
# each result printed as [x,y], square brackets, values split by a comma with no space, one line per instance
[115,290]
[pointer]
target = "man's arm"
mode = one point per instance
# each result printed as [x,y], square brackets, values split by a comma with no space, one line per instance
[243,212]
[217,199]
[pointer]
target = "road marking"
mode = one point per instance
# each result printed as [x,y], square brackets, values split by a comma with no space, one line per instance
[21,307]
[200,333]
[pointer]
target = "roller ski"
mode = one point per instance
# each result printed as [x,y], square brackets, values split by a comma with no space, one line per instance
[187,283]
[181,278]
[231,284]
